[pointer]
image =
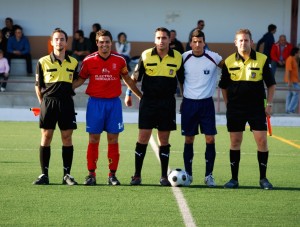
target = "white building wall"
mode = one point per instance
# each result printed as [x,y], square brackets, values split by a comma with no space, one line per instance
[139,19]
[38,17]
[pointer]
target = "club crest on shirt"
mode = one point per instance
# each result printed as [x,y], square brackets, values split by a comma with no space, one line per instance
[253,75]
[114,66]
[105,71]
[171,72]
[206,71]
[70,76]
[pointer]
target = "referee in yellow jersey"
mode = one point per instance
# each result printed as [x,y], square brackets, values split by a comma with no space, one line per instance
[54,76]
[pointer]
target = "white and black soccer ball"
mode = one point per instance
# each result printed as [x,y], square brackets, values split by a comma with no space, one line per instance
[178,177]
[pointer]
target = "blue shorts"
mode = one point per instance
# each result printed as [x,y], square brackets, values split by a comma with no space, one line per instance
[104,115]
[198,113]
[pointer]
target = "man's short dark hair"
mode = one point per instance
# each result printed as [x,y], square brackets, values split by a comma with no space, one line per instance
[197,33]
[59,30]
[18,27]
[163,29]
[9,19]
[294,51]
[97,26]
[103,32]
[200,21]
[80,33]
[271,27]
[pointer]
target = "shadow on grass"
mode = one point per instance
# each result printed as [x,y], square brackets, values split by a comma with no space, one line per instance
[246,188]
[185,188]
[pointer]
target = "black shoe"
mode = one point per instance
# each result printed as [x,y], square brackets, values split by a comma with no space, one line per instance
[90,180]
[42,179]
[112,180]
[69,180]
[232,184]
[135,180]
[164,181]
[265,184]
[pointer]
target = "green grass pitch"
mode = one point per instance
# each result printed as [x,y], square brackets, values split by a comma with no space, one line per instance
[24,204]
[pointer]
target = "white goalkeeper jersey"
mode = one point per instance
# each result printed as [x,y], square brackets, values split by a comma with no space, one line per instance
[200,74]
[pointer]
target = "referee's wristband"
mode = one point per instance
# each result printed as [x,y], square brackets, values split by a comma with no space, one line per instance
[128,92]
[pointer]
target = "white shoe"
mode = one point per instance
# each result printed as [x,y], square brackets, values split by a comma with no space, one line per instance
[210,181]
[3,89]
[69,180]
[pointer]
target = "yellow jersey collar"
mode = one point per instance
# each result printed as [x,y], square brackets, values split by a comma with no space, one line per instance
[170,52]
[53,58]
[252,55]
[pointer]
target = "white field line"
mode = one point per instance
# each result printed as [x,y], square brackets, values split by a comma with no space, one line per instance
[182,204]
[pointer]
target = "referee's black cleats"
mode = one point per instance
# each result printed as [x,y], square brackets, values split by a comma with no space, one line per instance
[135,180]
[69,180]
[164,181]
[265,184]
[42,180]
[232,184]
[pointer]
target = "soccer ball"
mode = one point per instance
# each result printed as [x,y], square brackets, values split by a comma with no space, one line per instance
[178,177]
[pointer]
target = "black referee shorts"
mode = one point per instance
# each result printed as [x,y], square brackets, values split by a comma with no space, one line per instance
[237,121]
[59,111]
[157,113]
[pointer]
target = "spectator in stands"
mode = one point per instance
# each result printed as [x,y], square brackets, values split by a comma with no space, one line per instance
[123,47]
[2,43]
[7,32]
[280,52]
[175,43]
[200,25]
[18,47]
[4,71]
[81,46]
[291,77]
[268,40]
[96,27]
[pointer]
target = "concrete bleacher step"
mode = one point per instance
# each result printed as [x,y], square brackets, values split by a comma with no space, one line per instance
[18,66]
[18,83]
[21,93]
[13,99]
